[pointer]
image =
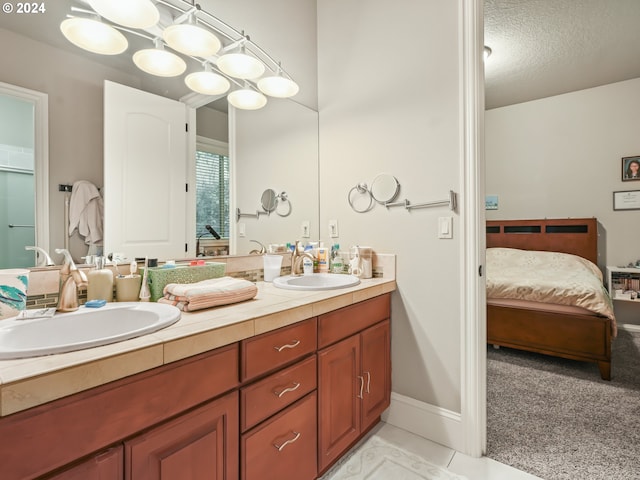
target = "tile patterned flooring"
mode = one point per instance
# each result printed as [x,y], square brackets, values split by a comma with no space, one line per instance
[413,457]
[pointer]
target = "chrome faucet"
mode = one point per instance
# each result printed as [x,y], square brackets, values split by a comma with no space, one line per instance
[44,260]
[70,280]
[296,259]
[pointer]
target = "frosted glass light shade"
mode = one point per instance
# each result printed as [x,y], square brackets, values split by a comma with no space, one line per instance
[240,65]
[247,99]
[191,40]
[207,83]
[159,62]
[129,13]
[278,86]
[94,36]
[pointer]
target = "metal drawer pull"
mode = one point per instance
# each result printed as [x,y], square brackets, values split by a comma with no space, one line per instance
[287,390]
[280,447]
[361,386]
[368,381]
[291,345]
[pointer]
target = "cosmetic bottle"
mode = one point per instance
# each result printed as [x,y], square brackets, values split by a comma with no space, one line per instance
[322,255]
[100,282]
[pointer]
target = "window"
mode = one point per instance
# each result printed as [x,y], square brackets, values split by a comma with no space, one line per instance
[212,187]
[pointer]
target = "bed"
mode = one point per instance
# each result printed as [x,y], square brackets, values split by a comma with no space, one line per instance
[563,331]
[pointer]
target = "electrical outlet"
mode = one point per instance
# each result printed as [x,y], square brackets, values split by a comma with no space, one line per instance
[242,231]
[333,228]
[306,227]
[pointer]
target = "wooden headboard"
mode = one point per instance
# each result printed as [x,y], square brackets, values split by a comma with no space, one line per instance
[578,236]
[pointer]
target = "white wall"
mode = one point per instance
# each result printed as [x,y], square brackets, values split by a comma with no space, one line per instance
[275,148]
[389,101]
[212,124]
[561,157]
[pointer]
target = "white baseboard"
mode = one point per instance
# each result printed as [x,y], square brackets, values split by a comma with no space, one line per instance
[433,423]
[630,327]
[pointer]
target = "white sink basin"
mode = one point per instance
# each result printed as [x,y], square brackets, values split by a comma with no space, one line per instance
[317,281]
[84,328]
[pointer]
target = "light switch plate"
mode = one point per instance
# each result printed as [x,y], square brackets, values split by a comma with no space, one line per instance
[333,228]
[242,230]
[306,227]
[445,227]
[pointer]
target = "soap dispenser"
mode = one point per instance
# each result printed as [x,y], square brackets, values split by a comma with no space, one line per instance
[100,286]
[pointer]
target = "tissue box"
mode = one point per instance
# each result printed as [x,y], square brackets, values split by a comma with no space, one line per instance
[158,277]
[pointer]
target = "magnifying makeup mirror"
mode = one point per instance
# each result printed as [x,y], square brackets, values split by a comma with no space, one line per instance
[269,200]
[385,188]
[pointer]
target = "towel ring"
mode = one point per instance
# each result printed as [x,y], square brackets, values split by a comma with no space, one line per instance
[283,198]
[362,190]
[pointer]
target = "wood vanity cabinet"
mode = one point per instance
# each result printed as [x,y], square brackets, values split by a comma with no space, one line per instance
[284,404]
[354,375]
[57,436]
[278,413]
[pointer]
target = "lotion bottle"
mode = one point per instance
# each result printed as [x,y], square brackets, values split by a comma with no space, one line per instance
[100,286]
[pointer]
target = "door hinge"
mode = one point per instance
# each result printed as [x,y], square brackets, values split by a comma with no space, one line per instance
[480,270]
[186,247]
[186,127]
[186,187]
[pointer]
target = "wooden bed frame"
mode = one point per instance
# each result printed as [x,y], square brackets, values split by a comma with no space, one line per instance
[577,337]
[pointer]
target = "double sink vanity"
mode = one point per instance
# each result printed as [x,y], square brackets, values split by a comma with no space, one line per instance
[277,387]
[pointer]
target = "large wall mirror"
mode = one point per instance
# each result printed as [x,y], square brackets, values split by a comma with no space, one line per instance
[276,148]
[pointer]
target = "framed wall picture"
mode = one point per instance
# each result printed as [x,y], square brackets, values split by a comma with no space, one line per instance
[630,168]
[627,200]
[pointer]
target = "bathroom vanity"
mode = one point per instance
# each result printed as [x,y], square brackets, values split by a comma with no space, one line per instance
[292,383]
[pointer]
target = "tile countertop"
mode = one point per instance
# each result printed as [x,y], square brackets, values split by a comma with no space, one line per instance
[29,382]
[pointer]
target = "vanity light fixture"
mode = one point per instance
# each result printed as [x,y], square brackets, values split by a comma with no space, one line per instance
[194,36]
[128,13]
[207,82]
[278,85]
[246,98]
[158,61]
[240,65]
[191,39]
[94,36]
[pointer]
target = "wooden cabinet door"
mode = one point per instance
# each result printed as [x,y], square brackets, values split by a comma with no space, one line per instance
[107,465]
[199,445]
[283,447]
[339,384]
[376,370]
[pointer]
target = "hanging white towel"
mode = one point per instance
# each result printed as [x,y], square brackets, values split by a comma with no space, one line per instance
[86,212]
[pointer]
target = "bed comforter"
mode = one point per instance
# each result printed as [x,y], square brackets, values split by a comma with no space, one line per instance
[547,277]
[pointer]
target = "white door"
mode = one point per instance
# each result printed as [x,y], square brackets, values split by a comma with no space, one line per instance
[145,174]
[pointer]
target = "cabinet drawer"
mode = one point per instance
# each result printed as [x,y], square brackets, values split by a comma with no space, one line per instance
[283,447]
[334,326]
[266,397]
[269,351]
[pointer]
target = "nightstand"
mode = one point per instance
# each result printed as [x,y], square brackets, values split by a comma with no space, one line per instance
[621,280]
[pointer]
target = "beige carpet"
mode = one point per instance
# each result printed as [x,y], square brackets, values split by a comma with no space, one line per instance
[559,420]
[376,459]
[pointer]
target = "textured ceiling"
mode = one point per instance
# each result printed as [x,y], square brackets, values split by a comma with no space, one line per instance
[543,48]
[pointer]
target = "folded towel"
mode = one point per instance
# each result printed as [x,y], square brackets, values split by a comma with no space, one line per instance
[208,293]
